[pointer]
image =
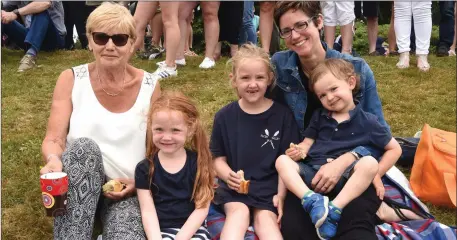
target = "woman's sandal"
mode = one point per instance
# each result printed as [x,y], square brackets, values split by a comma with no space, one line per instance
[422,62]
[403,62]
[190,53]
[398,207]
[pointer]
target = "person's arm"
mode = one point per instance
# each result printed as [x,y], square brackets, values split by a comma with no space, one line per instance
[226,174]
[34,7]
[61,108]
[157,93]
[278,199]
[149,214]
[193,223]
[390,156]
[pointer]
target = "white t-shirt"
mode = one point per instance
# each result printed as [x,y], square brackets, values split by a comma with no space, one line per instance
[120,136]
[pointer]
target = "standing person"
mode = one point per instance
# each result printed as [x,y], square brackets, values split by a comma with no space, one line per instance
[342,14]
[211,28]
[421,12]
[447,26]
[334,82]
[370,10]
[230,20]
[175,184]
[266,24]
[95,130]
[43,28]
[299,25]
[76,14]
[249,135]
[143,13]
[248,33]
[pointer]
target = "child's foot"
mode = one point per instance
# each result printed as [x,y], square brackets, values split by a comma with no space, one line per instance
[328,229]
[317,207]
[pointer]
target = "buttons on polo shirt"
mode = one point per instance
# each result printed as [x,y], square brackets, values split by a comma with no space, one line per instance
[336,129]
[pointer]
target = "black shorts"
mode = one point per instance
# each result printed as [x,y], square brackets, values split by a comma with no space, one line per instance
[370,8]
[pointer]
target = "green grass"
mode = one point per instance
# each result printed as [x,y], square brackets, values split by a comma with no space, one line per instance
[409,98]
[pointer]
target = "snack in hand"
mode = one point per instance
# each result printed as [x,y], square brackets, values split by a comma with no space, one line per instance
[113,186]
[244,185]
[296,146]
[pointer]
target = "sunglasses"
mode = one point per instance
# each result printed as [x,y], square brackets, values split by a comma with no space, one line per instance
[118,39]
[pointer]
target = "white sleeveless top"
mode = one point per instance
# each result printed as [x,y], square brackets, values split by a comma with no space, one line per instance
[120,136]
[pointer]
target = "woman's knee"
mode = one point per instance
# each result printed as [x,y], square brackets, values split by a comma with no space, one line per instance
[85,151]
[210,10]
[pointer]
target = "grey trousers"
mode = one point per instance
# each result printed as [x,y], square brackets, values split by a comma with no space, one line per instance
[82,161]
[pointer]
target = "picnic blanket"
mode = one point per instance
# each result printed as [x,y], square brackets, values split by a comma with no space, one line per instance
[397,190]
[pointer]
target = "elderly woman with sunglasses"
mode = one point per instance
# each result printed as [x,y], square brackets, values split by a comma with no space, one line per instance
[300,24]
[96,130]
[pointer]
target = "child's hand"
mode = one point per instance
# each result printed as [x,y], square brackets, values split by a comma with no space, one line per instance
[296,152]
[379,186]
[278,202]
[233,181]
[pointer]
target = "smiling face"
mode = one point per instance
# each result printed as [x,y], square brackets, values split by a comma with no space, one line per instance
[251,80]
[303,42]
[335,94]
[109,54]
[169,131]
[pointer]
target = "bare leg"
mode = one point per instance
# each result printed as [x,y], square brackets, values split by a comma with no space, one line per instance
[217,51]
[288,171]
[236,221]
[157,29]
[266,24]
[233,49]
[143,14]
[387,214]
[211,26]
[185,11]
[329,35]
[392,40]
[266,225]
[347,35]
[360,180]
[372,26]
[190,36]
[170,22]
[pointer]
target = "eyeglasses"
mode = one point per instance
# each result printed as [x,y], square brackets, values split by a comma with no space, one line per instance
[298,27]
[103,38]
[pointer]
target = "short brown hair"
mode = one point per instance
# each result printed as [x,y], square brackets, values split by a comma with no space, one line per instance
[339,68]
[310,8]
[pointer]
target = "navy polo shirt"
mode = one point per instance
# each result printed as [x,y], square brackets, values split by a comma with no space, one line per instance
[333,139]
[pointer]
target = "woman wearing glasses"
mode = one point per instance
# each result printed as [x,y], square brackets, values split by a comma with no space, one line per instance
[96,130]
[300,24]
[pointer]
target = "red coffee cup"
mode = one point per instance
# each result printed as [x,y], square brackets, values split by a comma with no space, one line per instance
[54,188]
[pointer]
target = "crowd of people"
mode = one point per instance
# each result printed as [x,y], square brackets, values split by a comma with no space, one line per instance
[110,120]
[168,29]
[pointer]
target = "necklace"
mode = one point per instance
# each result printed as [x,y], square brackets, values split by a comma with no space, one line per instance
[108,93]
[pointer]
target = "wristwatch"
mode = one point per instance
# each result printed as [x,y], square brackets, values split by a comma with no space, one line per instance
[356,155]
[16,11]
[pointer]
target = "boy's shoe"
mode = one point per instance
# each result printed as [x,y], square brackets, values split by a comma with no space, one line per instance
[164,72]
[27,62]
[442,51]
[317,206]
[207,63]
[179,62]
[328,229]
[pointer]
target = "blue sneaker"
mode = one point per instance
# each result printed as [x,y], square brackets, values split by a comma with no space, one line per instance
[317,207]
[328,229]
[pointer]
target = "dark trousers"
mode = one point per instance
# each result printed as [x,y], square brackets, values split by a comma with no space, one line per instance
[446,23]
[358,219]
[41,34]
[76,14]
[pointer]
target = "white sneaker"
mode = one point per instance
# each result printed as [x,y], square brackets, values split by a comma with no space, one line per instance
[207,63]
[164,72]
[180,62]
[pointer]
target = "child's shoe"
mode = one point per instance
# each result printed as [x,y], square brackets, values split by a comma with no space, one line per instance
[317,207]
[328,229]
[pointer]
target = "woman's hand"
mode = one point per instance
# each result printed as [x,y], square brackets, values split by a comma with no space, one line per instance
[379,186]
[126,192]
[328,176]
[54,165]
[233,181]
[278,202]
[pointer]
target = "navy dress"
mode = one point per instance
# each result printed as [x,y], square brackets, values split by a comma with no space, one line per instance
[252,143]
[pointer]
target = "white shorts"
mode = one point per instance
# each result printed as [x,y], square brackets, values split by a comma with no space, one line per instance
[337,13]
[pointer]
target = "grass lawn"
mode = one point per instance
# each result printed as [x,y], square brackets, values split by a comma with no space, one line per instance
[409,98]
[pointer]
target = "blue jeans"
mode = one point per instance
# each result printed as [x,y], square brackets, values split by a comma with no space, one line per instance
[446,23]
[41,34]
[247,32]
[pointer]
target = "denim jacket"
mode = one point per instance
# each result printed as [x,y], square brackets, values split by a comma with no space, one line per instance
[293,92]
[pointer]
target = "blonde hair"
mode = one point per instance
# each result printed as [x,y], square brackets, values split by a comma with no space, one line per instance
[111,16]
[247,51]
[339,68]
[203,191]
